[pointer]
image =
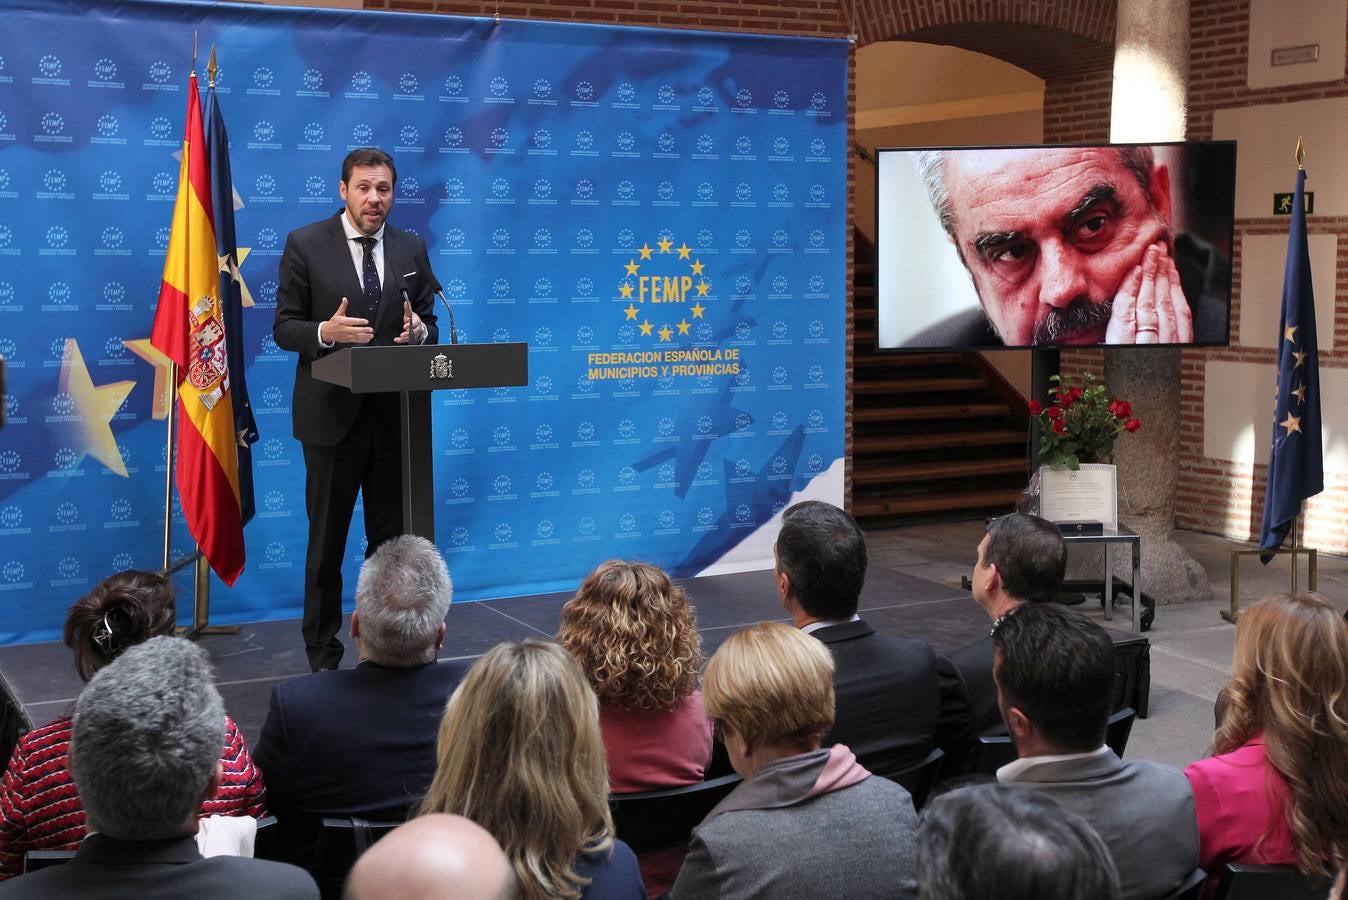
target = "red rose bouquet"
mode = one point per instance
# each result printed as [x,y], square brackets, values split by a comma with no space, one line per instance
[1081,422]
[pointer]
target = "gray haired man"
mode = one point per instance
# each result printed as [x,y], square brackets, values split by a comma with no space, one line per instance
[145,751]
[361,742]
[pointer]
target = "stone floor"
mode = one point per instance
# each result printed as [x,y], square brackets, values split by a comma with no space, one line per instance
[1191,643]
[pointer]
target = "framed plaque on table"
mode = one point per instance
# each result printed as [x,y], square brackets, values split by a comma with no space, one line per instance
[1088,494]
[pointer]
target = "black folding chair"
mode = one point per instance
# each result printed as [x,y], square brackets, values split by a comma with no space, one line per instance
[918,778]
[1118,729]
[340,843]
[1191,889]
[1239,881]
[994,751]
[34,860]
[650,820]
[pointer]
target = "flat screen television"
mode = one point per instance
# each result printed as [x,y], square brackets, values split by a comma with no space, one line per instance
[1054,245]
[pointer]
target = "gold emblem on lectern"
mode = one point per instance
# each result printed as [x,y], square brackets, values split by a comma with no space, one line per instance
[442,368]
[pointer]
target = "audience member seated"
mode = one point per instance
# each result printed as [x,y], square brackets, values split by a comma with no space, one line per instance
[361,742]
[145,753]
[635,637]
[1054,671]
[520,753]
[39,807]
[887,696]
[434,857]
[806,821]
[1005,842]
[1276,790]
[1021,559]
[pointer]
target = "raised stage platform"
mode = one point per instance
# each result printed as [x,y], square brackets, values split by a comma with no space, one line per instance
[263,653]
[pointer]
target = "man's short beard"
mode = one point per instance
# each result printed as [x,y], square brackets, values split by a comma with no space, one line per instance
[1082,314]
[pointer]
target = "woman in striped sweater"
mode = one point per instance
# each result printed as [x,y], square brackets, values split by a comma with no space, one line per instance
[39,806]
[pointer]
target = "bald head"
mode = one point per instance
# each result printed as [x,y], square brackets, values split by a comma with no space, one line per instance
[434,857]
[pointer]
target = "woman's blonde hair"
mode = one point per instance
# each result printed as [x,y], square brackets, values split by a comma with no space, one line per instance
[519,753]
[635,636]
[772,684]
[1290,681]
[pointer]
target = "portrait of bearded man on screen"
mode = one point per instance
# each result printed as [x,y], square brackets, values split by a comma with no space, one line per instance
[1071,246]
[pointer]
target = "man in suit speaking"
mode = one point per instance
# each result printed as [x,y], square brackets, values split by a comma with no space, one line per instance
[349,279]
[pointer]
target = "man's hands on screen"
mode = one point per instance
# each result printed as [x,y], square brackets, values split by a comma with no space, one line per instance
[1150,307]
[413,330]
[344,329]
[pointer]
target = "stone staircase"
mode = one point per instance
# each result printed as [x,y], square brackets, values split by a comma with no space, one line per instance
[934,434]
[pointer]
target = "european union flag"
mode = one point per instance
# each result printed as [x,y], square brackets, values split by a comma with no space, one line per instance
[1296,466]
[232,292]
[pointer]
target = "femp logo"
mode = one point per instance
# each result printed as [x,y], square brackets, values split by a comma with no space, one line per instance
[49,71]
[361,82]
[362,134]
[264,136]
[107,131]
[52,127]
[312,80]
[160,73]
[407,86]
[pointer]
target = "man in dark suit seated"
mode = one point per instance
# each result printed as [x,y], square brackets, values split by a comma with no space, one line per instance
[145,751]
[1021,559]
[885,687]
[1055,686]
[361,742]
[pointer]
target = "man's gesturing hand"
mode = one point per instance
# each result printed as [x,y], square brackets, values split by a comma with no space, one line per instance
[1150,307]
[344,329]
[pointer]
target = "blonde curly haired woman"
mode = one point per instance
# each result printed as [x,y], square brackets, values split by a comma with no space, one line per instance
[635,636]
[519,753]
[1276,789]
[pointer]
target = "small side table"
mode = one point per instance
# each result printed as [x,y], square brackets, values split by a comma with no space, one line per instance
[1108,538]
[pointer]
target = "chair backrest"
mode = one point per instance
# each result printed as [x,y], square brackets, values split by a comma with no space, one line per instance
[266,838]
[1190,889]
[994,751]
[340,842]
[44,859]
[1239,881]
[918,778]
[1120,725]
[652,819]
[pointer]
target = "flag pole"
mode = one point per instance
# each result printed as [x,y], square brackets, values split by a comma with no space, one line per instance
[168,468]
[201,580]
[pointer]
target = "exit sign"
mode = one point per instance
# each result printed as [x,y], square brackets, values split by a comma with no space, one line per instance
[1282,203]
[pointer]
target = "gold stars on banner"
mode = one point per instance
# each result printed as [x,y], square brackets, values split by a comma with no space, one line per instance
[232,267]
[94,408]
[163,366]
[661,280]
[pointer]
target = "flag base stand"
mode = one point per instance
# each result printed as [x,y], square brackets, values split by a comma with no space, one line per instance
[201,599]
[1294,551]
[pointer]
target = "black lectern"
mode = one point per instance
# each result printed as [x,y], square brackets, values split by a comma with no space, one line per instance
[414,372]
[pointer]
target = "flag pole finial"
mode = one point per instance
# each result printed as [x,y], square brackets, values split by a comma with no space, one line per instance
[211,69]
[1301,154]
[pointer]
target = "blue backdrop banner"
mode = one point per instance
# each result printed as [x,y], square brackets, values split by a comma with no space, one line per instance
[659,213]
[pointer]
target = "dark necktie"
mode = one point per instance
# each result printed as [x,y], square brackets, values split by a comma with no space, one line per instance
[369,277]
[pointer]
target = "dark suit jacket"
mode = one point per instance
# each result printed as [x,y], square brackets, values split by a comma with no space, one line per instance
[351,742]
[316,273]
[886,696]
[150,870]
[968,704]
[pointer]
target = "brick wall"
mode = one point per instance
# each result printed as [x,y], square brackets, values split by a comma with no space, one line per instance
[1215,495]
[819,18]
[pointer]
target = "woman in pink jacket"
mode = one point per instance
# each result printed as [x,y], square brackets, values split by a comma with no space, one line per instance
[1275,789]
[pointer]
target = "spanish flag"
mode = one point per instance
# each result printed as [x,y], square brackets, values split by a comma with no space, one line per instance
[189,328]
